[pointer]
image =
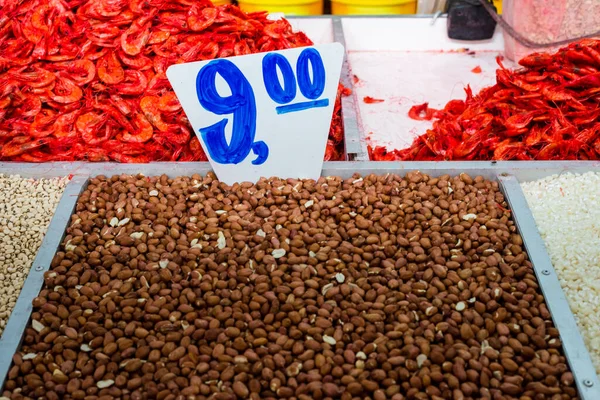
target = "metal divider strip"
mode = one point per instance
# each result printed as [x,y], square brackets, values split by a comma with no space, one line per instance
[355,148]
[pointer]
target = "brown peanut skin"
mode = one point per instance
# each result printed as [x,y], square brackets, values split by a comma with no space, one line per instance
[172,288]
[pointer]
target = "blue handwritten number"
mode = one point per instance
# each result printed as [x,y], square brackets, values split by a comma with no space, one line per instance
[281,95]
[311,90]
[241,104]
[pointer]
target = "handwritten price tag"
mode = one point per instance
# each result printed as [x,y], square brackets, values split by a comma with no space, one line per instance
[262,115]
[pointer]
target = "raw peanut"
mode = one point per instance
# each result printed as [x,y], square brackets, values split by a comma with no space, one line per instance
[509,365]
[240,390]
[510,389]
[466,331]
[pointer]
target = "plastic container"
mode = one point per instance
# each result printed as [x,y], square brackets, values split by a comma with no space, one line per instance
[221,2]
[427,7]
[544,21]
[373,7]
[498,4]
[293,7]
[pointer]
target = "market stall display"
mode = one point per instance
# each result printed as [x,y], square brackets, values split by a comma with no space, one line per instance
[373,281]
[26,207]
[86,81]
[166,286]
[567,216]
[547,110]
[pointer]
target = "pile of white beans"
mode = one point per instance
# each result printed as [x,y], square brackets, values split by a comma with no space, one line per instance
[26,208]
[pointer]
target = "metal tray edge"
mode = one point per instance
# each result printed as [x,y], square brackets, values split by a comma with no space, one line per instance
[522,170]
[354,146]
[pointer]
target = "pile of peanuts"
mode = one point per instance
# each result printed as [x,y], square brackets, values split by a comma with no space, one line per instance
[26,207]
[380,287]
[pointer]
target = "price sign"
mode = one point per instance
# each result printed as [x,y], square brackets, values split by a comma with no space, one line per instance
[262,115]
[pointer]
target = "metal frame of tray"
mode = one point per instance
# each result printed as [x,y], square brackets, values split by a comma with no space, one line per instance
[355,148]
[509,174]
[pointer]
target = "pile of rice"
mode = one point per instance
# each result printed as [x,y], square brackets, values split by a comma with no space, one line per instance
[566,208]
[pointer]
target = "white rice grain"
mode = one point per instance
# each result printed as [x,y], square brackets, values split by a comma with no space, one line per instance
[567,212]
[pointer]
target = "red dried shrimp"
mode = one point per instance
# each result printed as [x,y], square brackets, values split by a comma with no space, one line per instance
[372,100]
[85,79]
[548,110]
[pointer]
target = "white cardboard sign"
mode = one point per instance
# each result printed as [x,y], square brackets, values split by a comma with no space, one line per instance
[262,115]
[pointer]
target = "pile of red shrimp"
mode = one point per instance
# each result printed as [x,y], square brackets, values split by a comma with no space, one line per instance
[85,79]
[548,110]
